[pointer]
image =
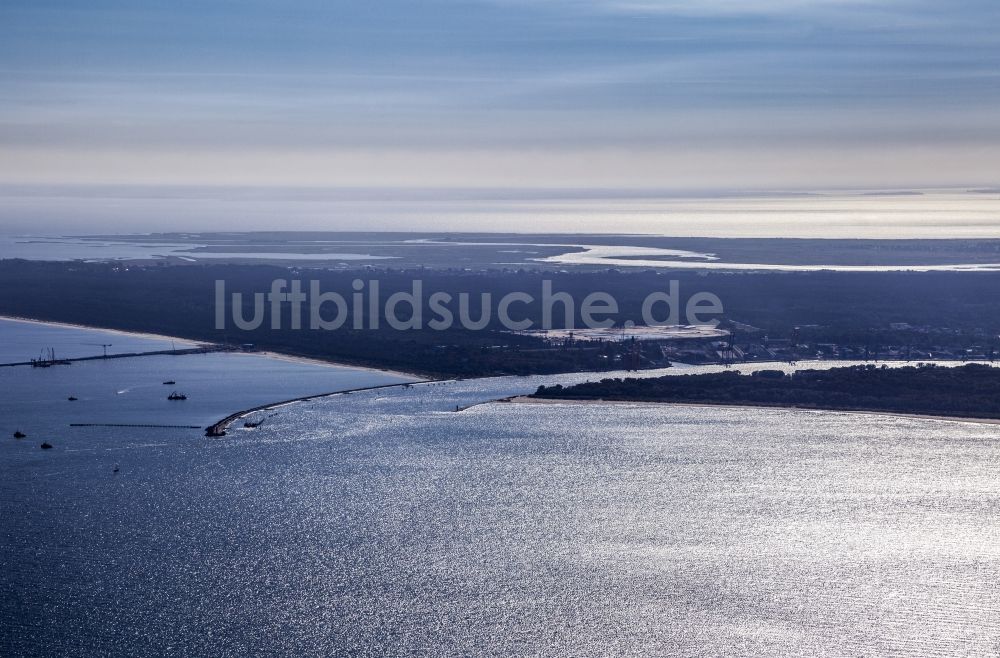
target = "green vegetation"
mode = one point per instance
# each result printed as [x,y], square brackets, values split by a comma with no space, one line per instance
[969,391]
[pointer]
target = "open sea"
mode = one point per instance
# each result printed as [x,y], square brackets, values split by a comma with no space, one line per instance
[385,522]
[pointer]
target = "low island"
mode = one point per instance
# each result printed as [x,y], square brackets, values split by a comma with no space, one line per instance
[970,391]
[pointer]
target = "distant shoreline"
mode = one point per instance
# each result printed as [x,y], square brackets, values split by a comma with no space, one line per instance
[526,399]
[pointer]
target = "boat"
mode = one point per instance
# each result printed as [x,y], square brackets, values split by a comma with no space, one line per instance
[177,396]
[169,382]
[46,446]
[250,424]
[71,398]
[115,469]
[19,434]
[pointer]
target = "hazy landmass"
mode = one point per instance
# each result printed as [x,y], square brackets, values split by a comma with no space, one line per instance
[496,250]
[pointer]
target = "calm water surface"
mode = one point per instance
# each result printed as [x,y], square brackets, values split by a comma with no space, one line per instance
[21,341]
[384,522]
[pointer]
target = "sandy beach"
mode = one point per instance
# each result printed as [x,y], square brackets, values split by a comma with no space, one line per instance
[335,364]
[183,341]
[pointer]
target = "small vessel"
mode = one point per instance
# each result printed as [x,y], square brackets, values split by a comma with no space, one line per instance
[177,396]
[71,398]
[250,424]
[46,446]
[115,469]
[19,434]
[169,382]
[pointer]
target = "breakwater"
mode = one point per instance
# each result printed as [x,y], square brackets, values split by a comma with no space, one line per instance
[219,428]
[205,349]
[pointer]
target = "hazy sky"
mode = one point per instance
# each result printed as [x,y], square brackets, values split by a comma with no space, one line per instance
[677,94]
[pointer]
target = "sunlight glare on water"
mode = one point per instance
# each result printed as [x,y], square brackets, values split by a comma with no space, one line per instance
[385,522]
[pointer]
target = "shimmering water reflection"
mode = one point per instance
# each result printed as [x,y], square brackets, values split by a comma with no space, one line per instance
[387,523]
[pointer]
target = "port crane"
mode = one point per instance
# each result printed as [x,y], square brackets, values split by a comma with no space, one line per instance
[104,345]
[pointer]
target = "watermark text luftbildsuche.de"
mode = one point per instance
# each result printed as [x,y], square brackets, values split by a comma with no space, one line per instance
[306,305]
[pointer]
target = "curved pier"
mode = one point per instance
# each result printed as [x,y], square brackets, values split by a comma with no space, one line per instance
[219,428]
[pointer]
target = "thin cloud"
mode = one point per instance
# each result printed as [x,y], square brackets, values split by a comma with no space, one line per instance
[495,91]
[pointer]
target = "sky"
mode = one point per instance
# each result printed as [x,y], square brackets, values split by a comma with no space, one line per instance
[569,94]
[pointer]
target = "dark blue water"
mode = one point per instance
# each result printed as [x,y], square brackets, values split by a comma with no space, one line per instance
[117,391]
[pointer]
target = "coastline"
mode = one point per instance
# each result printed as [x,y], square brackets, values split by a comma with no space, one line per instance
[119,332]
[526,399]
[306,360]
[194,343]
[421,378]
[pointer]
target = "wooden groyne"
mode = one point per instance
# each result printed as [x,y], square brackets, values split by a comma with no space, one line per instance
[204,349]
[219,428]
